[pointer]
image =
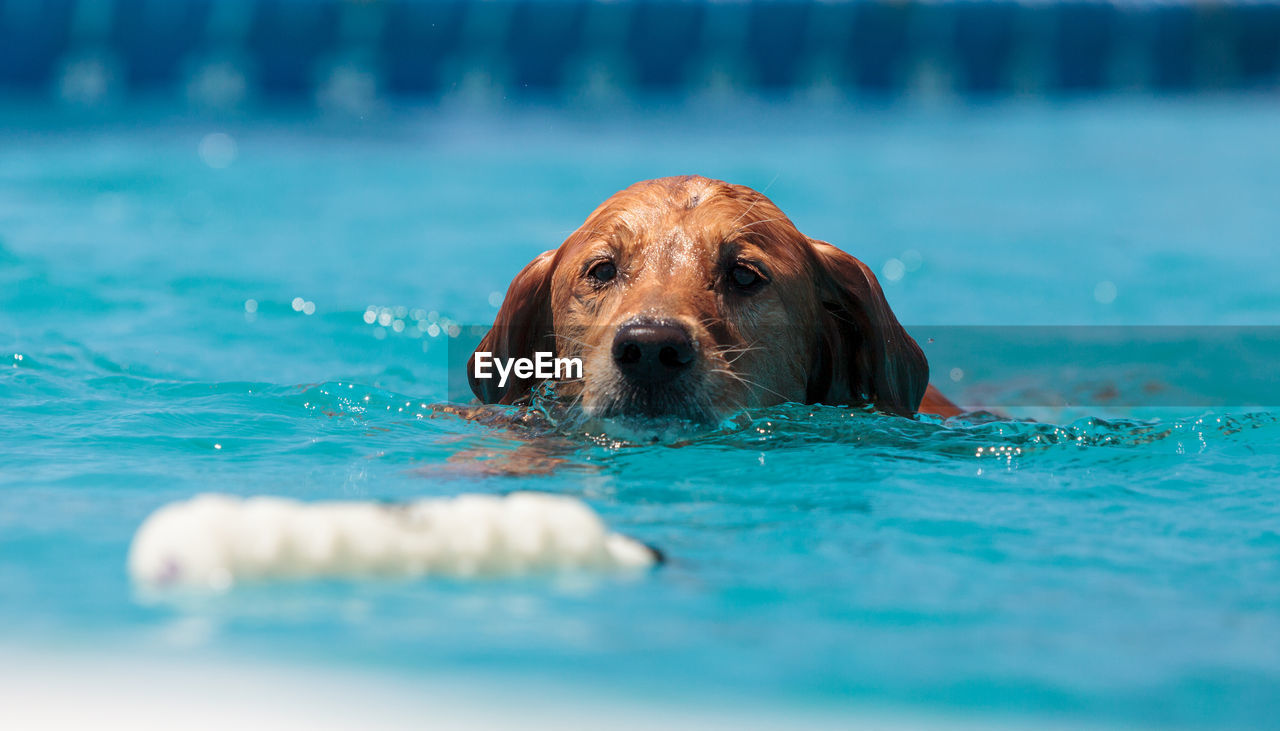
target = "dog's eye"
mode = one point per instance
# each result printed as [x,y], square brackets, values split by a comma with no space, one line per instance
[603,271]
[745,277]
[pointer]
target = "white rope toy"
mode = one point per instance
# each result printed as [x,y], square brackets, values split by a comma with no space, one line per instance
[214,541]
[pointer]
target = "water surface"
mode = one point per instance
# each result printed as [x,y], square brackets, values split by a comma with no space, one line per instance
[185,306]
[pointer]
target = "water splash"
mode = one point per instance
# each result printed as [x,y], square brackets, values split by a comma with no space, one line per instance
[980,436]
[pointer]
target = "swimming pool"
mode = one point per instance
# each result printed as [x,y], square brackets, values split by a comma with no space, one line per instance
[184,307]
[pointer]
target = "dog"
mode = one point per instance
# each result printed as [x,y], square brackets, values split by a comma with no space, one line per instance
[690,298]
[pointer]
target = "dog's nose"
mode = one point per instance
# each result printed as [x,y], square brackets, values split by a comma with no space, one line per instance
[652,350]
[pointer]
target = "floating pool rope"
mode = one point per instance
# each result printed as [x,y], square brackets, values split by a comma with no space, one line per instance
[213,541]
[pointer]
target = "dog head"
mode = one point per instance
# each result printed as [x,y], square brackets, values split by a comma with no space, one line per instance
[694,298]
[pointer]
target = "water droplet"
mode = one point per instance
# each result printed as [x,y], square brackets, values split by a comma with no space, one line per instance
[893,270]
[1104,292]
[218,150]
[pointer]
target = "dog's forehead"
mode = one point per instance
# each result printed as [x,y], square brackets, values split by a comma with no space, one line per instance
[691,212]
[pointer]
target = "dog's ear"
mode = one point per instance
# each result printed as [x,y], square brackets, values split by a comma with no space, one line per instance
[522,327]
[864,354]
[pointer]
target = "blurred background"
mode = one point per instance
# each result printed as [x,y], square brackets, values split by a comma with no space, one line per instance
[359,55]
[238,237]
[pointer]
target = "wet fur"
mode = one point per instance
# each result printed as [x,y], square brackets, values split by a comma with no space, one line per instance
[819,331]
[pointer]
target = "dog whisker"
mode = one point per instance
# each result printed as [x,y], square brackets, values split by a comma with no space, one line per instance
[590,347]
[747,381]
[740,229]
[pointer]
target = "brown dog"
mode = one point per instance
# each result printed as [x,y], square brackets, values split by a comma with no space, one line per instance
[694,298]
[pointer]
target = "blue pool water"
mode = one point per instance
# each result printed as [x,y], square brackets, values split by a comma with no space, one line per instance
[1120,569]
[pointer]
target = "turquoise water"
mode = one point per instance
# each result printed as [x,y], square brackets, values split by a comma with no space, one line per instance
[1111,567]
